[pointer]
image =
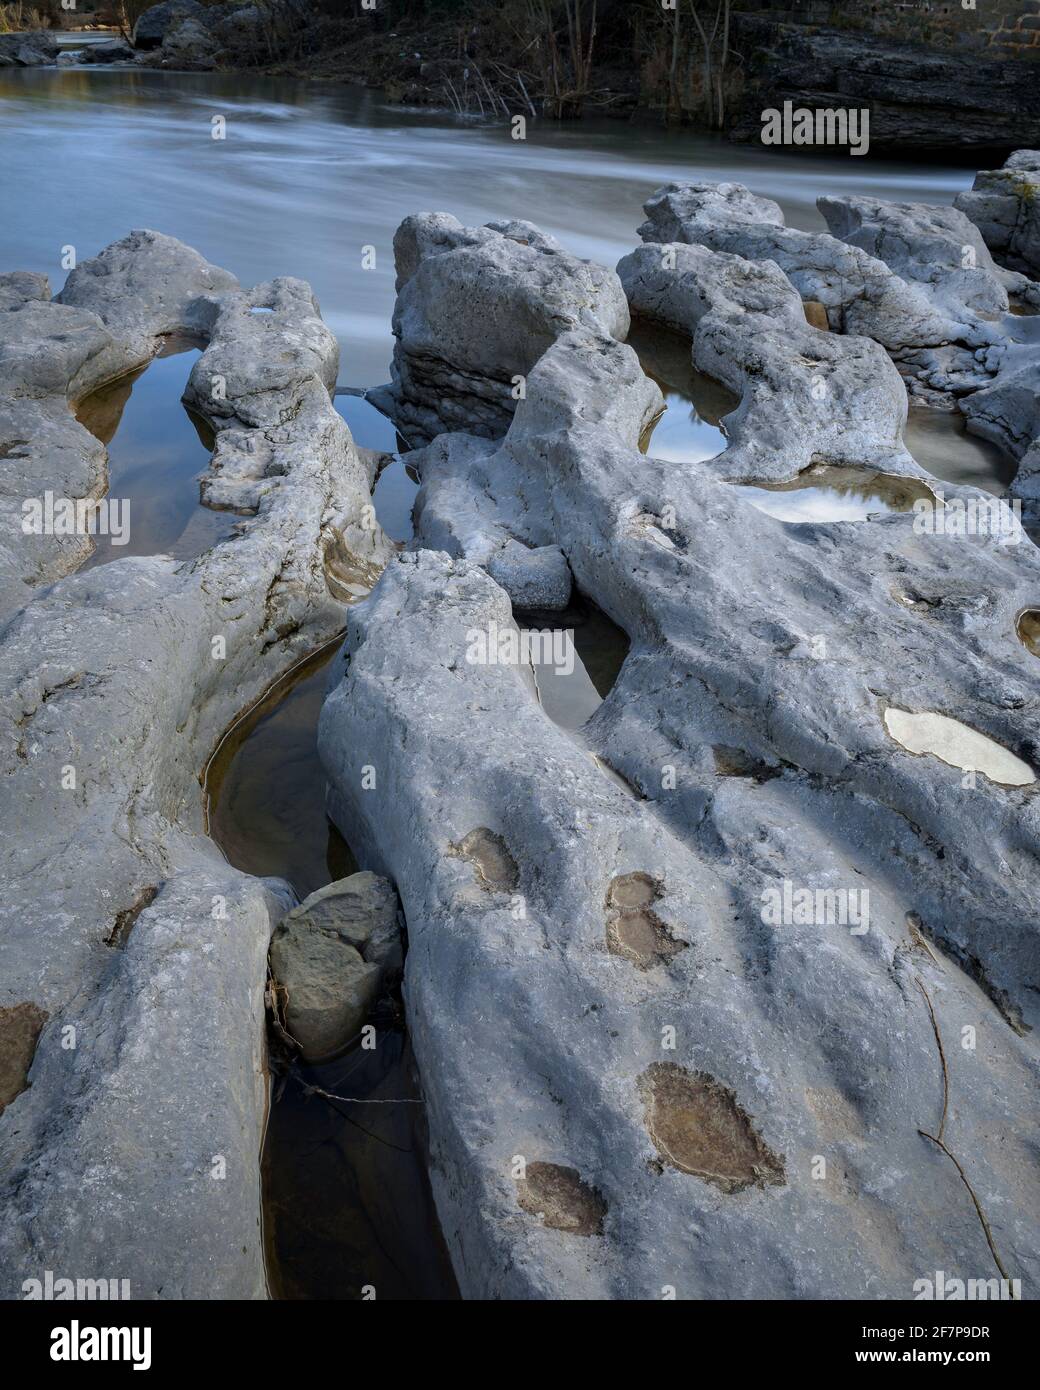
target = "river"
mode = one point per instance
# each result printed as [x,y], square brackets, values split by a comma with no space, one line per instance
[308,176]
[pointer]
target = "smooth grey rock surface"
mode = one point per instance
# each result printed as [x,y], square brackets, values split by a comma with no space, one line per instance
[937,247]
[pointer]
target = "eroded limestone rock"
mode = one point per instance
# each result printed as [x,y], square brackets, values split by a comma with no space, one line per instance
[782,647]
[937,247]
[934,348]
[459,353]
[115,686]
[1005,206]
[807,396]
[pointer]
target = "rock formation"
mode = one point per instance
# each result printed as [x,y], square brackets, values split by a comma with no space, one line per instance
[932,338]
[187,36]
[1004,205]
[918,96]
[704,993]
[459,358]
[134,1138]
[688,1081]
[31,50]
[331,956]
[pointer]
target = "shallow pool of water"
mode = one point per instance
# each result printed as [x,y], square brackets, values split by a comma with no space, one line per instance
[940,442]
[828,494]
[1028,628]
[397,484]
[347,1199]
[347,1202]
[266,787]
[694,404]
[572,689]
[157,451]
[954,743]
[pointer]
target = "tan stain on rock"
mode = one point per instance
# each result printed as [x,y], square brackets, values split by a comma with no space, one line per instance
[699,1128]
[634,930]
[487,852]
[563,1200]
[20,1028]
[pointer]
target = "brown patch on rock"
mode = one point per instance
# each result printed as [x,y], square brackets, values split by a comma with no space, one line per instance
[699,1128]
[633,890]
[634,930]
[562,1199]
[487,852]
[735,762]
[20,1028]
[349,577]
[816,314]
[1028,629]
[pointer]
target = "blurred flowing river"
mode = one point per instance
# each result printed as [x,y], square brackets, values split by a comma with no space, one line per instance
[310,175]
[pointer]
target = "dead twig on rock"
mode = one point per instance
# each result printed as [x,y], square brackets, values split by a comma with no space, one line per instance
[939,1142]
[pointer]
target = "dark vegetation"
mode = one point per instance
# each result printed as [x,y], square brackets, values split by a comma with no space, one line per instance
[559,58]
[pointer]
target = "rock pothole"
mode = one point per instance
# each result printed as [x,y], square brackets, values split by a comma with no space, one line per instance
[561,1197]
[737,762]
[634,930]
[20,1028]
[1028,629]
[698,1127]
[495,867]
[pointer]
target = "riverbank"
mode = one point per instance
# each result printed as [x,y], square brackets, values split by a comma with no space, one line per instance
[916,97]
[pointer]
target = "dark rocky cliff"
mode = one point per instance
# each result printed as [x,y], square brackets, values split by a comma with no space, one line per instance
[918,97]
